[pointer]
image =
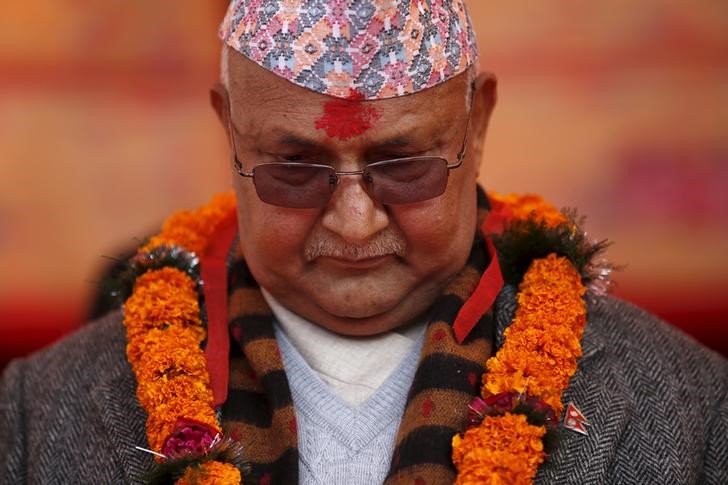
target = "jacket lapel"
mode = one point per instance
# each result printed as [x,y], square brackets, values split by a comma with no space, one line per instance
[597,390]
[124,422]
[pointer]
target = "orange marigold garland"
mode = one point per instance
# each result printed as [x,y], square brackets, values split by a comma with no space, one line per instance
[192,230]
[543,341]
[513,424]
[502,450]
[523,207]
[164,332]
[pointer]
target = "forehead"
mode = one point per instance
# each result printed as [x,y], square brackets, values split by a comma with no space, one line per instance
[259,97]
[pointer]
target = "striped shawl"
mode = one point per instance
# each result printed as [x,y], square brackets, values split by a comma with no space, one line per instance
[259,410]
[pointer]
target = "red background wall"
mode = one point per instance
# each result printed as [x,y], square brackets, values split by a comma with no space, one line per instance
[616,107]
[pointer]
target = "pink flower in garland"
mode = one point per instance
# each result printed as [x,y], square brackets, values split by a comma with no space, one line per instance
[507,402]
[189,437]
[501,403]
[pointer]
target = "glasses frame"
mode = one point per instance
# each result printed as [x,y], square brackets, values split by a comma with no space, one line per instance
[337,173]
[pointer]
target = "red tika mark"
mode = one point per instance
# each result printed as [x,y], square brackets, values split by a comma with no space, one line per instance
[265,479]
[427,407]
[420,481]
[237,333]
[472,378]
[439,335]
[347,118]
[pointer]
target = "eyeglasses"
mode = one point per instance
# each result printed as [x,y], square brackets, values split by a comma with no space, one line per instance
[310,185]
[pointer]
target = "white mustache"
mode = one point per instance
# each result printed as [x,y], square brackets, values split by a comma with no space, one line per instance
[330,245]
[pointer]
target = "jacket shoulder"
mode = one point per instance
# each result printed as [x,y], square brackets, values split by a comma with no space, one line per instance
[96,352]
[655,348]
[53,425]
[655,400]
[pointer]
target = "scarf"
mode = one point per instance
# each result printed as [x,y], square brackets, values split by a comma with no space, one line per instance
[259,410]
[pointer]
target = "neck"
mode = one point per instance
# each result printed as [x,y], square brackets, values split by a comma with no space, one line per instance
[352,367]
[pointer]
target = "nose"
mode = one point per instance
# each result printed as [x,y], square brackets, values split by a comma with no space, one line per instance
[352,214]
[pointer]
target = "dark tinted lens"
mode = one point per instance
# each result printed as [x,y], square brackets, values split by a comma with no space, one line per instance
[294,185]
[407,180]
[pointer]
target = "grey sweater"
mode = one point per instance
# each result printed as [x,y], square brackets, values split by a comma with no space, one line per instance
[338,443]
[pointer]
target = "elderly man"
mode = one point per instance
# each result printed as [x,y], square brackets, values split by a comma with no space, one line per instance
[367,313]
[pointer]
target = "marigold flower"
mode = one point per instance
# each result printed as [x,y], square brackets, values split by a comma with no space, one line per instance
[523,207]
[145,343]
[542,344]
[501,450]
[211,473]
[192,229]
[161,298]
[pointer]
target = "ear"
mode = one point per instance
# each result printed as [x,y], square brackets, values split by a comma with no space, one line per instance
[221,104]
[484,98]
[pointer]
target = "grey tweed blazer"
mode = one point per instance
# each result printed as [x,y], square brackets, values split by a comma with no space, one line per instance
[655,400]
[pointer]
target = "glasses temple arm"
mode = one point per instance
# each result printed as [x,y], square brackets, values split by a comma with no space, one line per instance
[234,151]
[463,148]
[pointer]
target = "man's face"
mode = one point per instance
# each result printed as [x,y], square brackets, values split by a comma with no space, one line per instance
[354,266]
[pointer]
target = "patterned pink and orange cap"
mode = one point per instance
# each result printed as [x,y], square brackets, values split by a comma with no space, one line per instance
[368,49]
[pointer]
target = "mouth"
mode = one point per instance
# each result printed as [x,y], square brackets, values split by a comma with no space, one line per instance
[356,263]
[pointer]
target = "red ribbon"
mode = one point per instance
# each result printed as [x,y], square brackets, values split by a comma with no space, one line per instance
[496,219]
[213,269]
[491,282]
[482,298]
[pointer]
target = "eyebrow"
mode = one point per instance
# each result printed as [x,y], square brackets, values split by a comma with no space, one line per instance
[285,137]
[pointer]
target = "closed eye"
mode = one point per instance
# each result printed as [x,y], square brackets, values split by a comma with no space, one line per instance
[404,171]
[290,175]
[296,159]
[291,158]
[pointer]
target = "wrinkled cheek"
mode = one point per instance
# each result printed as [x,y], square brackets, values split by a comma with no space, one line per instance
[439,233]
[272,241]
[429,237]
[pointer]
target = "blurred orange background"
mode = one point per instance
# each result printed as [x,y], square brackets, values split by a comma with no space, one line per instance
[616,107]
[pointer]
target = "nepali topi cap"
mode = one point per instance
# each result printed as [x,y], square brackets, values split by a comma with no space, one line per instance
[366,49]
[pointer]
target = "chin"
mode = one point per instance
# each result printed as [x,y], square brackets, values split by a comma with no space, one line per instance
[358,309]
[373,316]
[361,327]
